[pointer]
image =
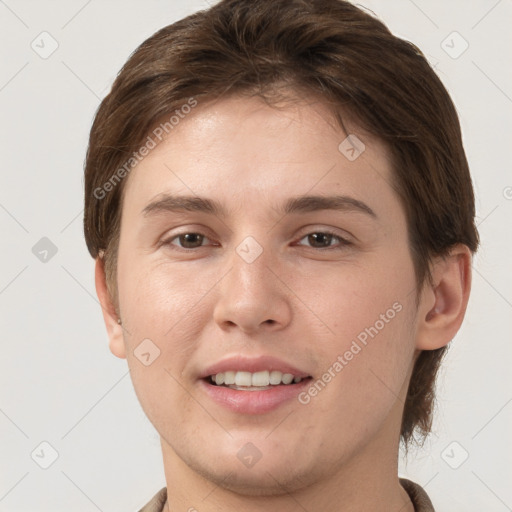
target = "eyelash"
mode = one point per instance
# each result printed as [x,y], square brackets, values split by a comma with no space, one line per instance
[342,241]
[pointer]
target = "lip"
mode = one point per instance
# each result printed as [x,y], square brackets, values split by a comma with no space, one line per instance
[252,364]
[253,402]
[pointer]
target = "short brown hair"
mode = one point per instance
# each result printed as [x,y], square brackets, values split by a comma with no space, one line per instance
[332,50]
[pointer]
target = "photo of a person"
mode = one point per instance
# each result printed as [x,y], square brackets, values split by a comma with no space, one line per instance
[280,208]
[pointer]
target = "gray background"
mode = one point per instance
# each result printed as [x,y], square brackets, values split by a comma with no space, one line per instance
[59,382]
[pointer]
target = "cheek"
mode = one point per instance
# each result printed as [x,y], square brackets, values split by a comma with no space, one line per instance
[361,301]
[157,300]
[365,371]
[368,343]
[162,314]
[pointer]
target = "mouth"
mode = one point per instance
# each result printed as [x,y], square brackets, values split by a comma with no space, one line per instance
[255,393]
[253,385]
[258,381]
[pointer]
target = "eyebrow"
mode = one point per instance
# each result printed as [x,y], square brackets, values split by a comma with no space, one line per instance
[301,204]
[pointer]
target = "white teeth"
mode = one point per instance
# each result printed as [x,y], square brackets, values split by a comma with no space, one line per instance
[260,379]
[275,378]
[229,378]
[243,379]
[287,378]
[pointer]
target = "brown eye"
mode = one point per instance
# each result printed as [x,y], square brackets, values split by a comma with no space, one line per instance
[323,240]
[320,239]
[188,240]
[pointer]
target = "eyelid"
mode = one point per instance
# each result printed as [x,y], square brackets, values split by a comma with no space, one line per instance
[167,239]
[343,241]
[337,232]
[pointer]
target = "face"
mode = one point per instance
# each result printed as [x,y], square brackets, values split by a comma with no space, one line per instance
[294,265]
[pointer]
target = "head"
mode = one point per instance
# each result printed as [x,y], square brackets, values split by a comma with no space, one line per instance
[250,104]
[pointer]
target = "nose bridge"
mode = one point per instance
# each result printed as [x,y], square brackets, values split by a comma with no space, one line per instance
[250,267]
[250,296]
[250,277]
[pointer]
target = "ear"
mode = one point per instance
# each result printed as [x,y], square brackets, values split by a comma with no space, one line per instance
[443,303]
[110,317]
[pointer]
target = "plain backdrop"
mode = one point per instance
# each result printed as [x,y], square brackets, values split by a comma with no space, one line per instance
[59,383]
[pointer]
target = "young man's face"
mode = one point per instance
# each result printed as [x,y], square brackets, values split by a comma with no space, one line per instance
[255,287]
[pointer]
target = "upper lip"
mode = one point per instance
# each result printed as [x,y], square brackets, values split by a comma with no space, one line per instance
[252,364]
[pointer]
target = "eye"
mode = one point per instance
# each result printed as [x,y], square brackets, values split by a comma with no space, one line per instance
[187,240]
[316,240]
[324,239]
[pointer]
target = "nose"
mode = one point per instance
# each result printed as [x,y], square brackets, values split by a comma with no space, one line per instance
[252,297]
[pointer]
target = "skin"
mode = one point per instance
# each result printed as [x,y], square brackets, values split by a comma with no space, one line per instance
[297,301]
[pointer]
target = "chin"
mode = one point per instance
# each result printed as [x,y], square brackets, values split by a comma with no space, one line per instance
[269,476]
[257,482]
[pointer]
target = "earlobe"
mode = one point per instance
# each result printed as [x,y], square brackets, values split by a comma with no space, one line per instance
[443,304]
[110,317]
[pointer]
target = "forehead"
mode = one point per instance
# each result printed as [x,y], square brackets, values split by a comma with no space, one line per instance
[244,152]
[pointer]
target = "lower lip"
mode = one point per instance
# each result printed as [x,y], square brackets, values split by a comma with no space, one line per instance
[254,402]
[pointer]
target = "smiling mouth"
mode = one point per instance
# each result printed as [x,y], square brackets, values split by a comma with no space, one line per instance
[257,381]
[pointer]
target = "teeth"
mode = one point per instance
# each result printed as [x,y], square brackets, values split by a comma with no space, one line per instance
[243,379]
[287,378]
[260,379]
[229,377]
[255,380]
[275,378]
